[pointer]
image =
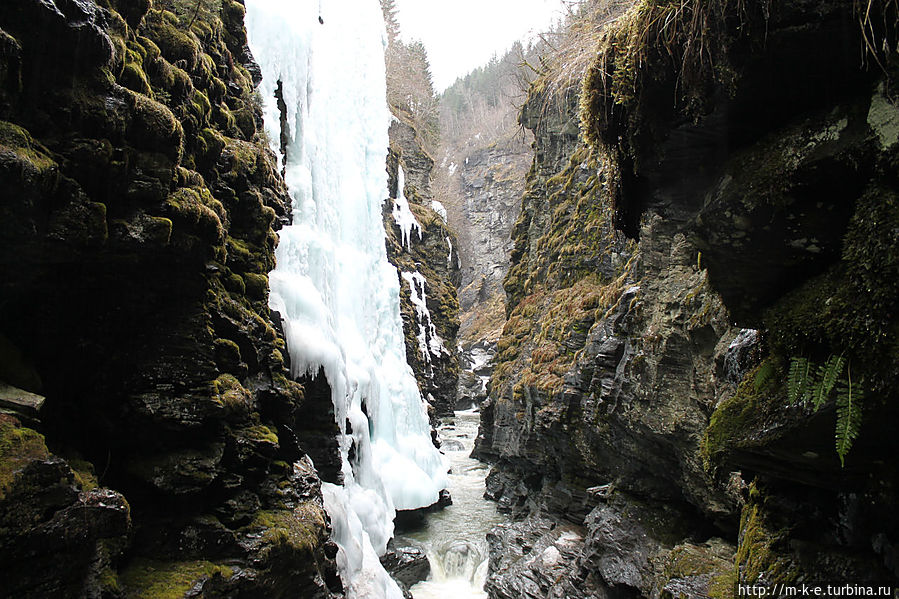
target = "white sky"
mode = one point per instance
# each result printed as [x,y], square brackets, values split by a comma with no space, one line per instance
[461,35]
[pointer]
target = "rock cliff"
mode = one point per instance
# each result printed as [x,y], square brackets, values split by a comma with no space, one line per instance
[138,211]
[482,186]
[424,250]
[712,207]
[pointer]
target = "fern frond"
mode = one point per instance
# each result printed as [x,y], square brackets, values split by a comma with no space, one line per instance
[849,417]
[828,374]
[797,379]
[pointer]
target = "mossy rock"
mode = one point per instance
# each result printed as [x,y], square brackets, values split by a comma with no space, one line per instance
[227,354]
[199,210]
[760,393]
[301,531]
[26,151]
[234,283]
[134,78]
[154,127]
[851,308]
[174,43]
[761,548]
[155,579]
[200,106]
[228,391]
[210,144]
[256,286]
[260,434]
[19,446]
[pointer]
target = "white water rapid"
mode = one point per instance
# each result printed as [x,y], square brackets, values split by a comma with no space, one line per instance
[333,285]
[455,537]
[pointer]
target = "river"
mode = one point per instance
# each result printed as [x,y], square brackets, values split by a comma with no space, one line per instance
[455,537]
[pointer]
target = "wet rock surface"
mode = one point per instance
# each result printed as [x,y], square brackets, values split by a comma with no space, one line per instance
[406,562]
[139,210]
[630,397]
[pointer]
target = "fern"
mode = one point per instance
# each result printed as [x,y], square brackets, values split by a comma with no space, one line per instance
[797,381]
[849,417]
[827,378]
[812,384]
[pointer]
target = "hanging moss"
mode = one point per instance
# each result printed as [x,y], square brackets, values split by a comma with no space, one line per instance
[759,547]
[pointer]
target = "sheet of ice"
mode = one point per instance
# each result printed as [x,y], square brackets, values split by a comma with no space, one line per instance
[333,286]
[429,342]
[402,214]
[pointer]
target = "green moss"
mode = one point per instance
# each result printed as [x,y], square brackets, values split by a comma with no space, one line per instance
[851,309]
[18,141]
[260,433]
[18,447]
[152,579]
[301,530]
[761,549]
[182,86]
[226,351]
[256,285]
[696,560]
[200,106]
[228,391]
[174,43]
[217,90]
[761,390]
[134,78]
[155,127]
[684,46]
[234,283]
[151,51]
[198,210]
[84,473]
[242,156]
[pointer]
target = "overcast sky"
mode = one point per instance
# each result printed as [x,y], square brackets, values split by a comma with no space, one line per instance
[461,35]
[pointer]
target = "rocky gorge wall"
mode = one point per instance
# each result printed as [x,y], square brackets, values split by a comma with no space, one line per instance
[429,305]
[139,210]
[694,224]
[483,185]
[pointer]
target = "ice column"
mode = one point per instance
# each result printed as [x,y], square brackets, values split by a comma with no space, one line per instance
[333,285]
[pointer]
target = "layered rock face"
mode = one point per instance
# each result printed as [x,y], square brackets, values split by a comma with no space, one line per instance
[425,253]
[138,211]
[486,185]
[646,443]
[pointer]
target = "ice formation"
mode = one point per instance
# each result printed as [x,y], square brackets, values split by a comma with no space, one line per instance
[402,214]
[439,208]
[333,286]
[429,342]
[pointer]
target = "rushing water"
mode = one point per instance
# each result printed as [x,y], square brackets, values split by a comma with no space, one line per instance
[455,538]
[333,286]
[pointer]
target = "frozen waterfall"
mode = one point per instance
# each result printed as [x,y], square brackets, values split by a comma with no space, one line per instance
[333,285]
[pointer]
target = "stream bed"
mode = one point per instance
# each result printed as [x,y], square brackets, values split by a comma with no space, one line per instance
[455,537]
